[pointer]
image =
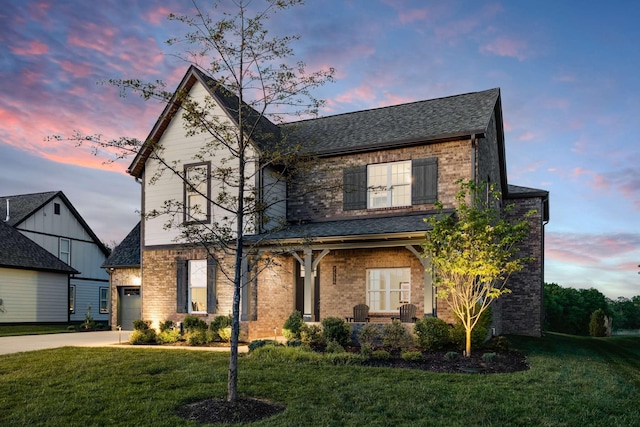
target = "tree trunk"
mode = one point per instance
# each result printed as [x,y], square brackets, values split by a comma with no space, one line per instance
[467,352]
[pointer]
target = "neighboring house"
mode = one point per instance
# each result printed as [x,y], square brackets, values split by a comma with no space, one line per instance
[34,285]
[341,248]
[123,266]
[50,220]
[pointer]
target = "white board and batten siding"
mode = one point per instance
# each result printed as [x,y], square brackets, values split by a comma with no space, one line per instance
[33,296]
[181,149]
[46,228]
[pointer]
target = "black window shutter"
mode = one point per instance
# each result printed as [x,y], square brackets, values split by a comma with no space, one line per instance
[212,265]
[425,181]
[182,285]
[355,188]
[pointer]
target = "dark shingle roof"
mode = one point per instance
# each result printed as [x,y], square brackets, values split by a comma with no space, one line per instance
[519,191]
[388,126]
[361,227]
[21,206]
[18,251]
[127,253]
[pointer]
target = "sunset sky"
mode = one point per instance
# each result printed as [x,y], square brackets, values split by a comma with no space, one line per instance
[568,73]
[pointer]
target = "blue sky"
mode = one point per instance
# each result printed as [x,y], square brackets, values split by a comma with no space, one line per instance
[567,73]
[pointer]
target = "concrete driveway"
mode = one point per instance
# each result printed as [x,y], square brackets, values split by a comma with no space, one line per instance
[88,339]
[75,339]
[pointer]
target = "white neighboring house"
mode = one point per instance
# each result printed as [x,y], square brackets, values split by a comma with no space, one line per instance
[51,221]
[34,284]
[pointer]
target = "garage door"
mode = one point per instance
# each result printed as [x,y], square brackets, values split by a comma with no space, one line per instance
[128,307]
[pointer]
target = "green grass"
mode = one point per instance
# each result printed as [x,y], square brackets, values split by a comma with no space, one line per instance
[573,381]
[13,330]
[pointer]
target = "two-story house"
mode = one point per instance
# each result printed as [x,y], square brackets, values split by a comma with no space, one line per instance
[50,221]
[356,245]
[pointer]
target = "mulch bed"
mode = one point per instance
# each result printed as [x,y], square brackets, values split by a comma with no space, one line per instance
[248,410]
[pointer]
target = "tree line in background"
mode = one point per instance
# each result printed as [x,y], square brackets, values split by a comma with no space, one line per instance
[569,310]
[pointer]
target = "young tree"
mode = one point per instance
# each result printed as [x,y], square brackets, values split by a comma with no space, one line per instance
[473,251]
[261,85]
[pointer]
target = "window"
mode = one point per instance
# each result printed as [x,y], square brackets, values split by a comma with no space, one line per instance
[388,288]
[196,286]
[197,192]
[64,250]
[104,300]
[72,299]
[389,184]
[56,208]
[405,183]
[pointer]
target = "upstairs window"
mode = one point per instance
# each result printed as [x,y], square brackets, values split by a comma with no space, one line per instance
[383,185]
[56,208]
[197,192]
[64,250]
[389,184]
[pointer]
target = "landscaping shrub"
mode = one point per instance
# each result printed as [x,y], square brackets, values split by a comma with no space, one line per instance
[293,326]
[381,355]
[193,323]
[199,337]
[223,333]
[219,322]
[500,344]
[168,336]
[294,343]
[312,336]
[395,337]
[141,325]
[489,357]
[336,329]
[433,333]
[596,324]
[478,334]
[451,355]
[143,336]
[344,359]
[166,325]
[412,356]
[261,343]
[334,347]
[368,335]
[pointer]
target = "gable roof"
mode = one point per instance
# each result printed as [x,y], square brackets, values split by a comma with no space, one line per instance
[417,122]
[22,206]
[18,251]
[127,253]
[266,132]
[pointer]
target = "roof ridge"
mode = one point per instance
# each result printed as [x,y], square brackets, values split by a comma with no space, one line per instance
[391,106]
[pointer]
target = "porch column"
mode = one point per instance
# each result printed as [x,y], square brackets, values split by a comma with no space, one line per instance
[309,298]
[429,301]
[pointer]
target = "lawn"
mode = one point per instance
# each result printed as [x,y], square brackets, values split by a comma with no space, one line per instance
[13,330]
[573,381]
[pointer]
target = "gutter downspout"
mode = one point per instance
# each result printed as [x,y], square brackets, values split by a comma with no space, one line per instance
[8,216]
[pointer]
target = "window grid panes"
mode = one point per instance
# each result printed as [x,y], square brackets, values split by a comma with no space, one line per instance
[104,300]
[389,184]
[65,250]
[388,288]
[198,286]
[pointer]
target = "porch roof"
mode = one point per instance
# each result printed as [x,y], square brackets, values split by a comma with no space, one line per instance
[387,227]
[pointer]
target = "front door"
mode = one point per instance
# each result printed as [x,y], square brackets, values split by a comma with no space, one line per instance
[299,286]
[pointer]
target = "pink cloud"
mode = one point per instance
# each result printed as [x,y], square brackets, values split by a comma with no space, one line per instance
[157,16]
[33,47]
[361,94]
[527,136]
[590,249]
[506,47]
[77,70]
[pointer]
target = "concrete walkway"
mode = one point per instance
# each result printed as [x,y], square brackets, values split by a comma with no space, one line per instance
[86,339]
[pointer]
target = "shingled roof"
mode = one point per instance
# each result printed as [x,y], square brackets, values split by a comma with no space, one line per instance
[18,251]
[22,206]
[435,119]
[127,253]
